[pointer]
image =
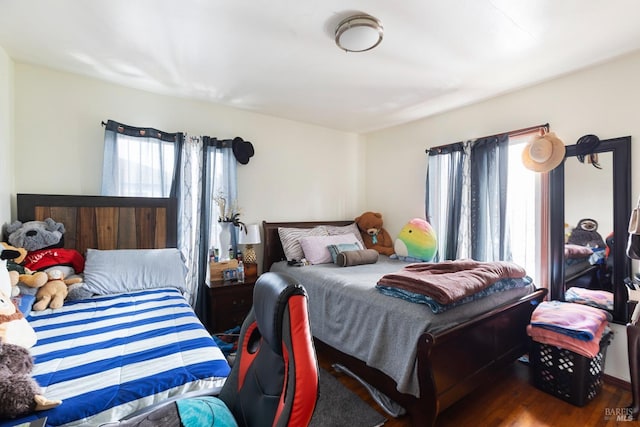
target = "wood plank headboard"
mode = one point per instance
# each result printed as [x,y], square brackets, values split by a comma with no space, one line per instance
[272,248]
[103,222]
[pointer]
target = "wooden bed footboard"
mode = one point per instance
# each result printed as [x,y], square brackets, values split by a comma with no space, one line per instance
[451,364]
[455,363]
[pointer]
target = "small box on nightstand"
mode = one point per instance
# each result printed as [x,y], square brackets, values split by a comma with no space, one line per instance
[216,269]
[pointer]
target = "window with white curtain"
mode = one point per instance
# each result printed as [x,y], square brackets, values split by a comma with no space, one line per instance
[449,207]
[139,162]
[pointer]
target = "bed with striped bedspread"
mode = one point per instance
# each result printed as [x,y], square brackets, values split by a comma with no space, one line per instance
[110,356]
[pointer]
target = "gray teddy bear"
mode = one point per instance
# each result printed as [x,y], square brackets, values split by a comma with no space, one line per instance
[35,235]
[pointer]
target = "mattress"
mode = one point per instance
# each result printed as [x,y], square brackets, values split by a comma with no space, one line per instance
[348,313]
[110,356]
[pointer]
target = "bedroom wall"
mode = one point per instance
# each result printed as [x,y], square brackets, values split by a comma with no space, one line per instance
[602,100]
[299,171]
[6,135]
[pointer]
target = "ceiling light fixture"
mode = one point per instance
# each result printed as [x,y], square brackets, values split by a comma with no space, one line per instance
[359,33]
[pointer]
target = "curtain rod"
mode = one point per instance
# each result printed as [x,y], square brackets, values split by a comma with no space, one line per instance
[516,132]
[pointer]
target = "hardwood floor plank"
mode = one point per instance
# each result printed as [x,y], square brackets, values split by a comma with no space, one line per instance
[512,401]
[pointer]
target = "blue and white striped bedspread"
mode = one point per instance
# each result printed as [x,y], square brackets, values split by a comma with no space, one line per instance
[110,356]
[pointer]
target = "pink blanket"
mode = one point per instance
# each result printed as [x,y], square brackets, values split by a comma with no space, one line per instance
[575,320]
[588,349]
[450,281]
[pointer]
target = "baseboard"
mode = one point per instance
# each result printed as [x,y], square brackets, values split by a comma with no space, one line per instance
[626,385]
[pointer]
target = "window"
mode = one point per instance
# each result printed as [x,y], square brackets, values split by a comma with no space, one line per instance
[469,218]
[139,162]
[524,210]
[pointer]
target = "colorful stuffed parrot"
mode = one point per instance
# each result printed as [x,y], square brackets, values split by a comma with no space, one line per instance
[417,240]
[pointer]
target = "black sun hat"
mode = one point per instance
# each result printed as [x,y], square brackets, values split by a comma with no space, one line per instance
[242,150]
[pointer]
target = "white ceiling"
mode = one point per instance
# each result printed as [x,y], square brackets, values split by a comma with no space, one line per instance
[278,57]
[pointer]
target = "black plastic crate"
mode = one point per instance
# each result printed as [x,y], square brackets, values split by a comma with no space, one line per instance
[569,376]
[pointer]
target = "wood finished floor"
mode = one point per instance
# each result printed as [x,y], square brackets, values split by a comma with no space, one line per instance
[512,401]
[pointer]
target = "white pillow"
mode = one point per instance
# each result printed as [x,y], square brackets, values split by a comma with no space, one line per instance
[290,239]
[316,248]
[345,229]
[125,270]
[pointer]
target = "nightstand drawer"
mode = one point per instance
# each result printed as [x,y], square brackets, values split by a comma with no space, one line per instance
[233,300]
[229,304]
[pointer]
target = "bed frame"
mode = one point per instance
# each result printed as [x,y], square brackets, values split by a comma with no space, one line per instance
[103,222]
[451,364]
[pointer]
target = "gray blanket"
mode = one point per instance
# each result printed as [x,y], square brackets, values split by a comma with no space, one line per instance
[348,313]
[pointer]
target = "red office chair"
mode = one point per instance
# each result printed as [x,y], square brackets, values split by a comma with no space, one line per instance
[274,379]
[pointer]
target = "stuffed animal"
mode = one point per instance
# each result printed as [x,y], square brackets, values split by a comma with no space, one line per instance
[586,234]
[373,234]
[35,235]
[53,293]
[32,279]
[19,393]
[416,241]
[14,328]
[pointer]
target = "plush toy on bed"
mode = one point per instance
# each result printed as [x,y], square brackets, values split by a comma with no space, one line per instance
[14,328]
[373,234]
[31,279]
[35,235]
[416,242]
[19,392]
[53,293]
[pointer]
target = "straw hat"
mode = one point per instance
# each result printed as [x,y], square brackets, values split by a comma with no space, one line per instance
[543,153]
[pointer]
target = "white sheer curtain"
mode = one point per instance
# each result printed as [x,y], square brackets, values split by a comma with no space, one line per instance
[189,208]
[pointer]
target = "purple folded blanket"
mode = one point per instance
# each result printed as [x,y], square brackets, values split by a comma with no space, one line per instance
[449,281]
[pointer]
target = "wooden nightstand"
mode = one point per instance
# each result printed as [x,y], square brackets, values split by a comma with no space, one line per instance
[229,303]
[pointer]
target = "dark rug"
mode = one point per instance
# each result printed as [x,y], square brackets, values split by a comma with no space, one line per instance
[338,406]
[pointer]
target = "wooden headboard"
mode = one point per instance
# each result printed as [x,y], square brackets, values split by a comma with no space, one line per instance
[103,222]
[272,248]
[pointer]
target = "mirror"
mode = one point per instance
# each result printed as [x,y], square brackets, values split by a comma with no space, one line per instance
[580,192]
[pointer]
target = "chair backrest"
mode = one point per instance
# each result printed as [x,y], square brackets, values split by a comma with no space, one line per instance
[274,378]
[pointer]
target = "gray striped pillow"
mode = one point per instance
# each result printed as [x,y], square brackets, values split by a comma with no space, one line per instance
[290,239]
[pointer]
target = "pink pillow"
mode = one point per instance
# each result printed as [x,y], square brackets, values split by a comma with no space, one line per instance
[316,250]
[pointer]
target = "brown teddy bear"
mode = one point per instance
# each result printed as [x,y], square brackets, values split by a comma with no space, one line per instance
[373,234]
[53,293]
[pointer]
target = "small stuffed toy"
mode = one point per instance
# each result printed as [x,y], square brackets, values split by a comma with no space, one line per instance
[53,293]
[19,392]
[586,234]
[416,241]
[14,328]
[35,235]
[373,234]
[25,276]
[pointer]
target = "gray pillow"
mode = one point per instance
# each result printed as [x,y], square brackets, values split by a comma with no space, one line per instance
[350,258]
[125,270]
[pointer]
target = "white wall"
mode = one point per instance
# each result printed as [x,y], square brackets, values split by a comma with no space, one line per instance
[6,136]
[299,171]
[602,100]
[302,171]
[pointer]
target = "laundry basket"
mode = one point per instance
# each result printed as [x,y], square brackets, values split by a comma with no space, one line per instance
[569,376]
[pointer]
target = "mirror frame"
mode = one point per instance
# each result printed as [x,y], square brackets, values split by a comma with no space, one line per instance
[621,149]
